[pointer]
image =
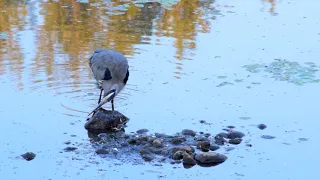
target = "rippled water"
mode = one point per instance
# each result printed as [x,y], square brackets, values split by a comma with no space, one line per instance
[190,60]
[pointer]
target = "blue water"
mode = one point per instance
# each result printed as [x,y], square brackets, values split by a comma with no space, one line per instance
[179,76]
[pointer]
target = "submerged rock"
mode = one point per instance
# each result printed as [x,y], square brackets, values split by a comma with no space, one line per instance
[235,141]
[188,132]
[142,131]
[105,120]
[157,143]
[214,147]
[235,134]
[210,157]
[188,149]
[68,149]
[188,159]
[147,157]
[102,151]
[262,126]
[28,156]
[178,155]
[203,145]
[267,137]
[178,140]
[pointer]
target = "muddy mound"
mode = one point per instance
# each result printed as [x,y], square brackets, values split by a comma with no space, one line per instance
[108,137]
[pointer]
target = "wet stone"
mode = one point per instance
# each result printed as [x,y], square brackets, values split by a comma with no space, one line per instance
[157,143]
[210,157]
[201,138]
[207,135]
[102,151]
[105,120]
[231,127]
[235,134]
[142,131]
[202,121]
[69,149]
[155,150]
[188,132]
[178,155]
[222,134]
[28,156]
[235,141]
[188,149]
[188,159]
[145,151]
[303,139]
[229,148]
[147,157]
[178,140]
[161,135]
[267,137]
[143,138]
[203,145]
[262,126]
[214,147]
[219,140]
[133,140]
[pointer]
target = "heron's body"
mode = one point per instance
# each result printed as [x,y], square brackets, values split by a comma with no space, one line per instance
[110,68]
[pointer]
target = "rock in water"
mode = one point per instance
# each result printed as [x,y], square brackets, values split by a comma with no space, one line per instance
[105,120]
[210,157]
[28,156]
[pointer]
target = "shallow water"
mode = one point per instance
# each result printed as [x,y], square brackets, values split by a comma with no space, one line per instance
[226,62]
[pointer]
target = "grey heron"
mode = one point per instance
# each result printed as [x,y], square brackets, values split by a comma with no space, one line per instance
[110,68]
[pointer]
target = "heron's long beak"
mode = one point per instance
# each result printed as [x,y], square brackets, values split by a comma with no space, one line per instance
[110,95]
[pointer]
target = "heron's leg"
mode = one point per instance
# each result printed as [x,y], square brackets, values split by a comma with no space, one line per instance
[112,105]
[100,96]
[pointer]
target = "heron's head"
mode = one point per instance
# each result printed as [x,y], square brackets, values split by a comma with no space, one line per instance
[107,98]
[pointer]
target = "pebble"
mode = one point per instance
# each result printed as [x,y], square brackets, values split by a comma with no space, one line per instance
[178,140]
[262,126]
[201,138]
[147,157]
[188,149]
[202,121]
[102,151]
[203,145]
[235,141]
[231,127]
[188,159]
[178,155]
[68,149]
[235,134]
[267,137]
[133,140]
[142,131]
[28,156]
[220,140]
[214,147]
[222,134]
[144,151]
[157,143]
[210,157]
[188,132]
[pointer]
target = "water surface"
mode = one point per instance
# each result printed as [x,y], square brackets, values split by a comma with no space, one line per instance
[238,63]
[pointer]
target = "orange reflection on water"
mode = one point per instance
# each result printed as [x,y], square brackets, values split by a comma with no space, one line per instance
[66,32]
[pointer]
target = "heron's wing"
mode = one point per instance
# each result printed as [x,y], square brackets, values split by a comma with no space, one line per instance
[107,64]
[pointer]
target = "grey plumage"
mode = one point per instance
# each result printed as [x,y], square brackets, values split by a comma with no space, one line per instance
[110,68]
